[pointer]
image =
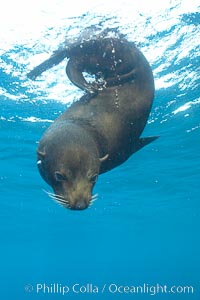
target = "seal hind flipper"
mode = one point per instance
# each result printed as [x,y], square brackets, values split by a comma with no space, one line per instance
[119,79]
[74,73]
[52,61]
[142,142]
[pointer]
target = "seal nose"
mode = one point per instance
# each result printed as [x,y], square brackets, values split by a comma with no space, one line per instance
[79,205]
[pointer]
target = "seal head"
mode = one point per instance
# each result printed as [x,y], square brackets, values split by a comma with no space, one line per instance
[71,168]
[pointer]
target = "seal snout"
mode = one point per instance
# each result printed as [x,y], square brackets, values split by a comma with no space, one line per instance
[79,205]
[75,205]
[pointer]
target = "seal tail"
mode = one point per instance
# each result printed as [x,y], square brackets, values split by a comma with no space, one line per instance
[142,142]
[52,61]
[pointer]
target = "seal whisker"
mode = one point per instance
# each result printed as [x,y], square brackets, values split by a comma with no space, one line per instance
[63,202]
[94,198]
[58,198]
[91,203]
[61,198]
[48,193]
[55,195]
[60,202]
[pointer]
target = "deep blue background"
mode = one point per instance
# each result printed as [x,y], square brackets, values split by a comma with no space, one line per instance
[144,227]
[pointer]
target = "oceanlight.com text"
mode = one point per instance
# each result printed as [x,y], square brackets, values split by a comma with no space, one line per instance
[111,288]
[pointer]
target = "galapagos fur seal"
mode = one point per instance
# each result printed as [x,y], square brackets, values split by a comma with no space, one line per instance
[95,135]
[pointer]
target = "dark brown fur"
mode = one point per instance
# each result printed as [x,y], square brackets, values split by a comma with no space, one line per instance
[109,59]
[97,134]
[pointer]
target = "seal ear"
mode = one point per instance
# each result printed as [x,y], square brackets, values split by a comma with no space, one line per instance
[103,158]
[41,153]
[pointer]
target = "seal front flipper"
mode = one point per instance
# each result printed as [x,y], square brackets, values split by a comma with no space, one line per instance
[52,61]
[142,142]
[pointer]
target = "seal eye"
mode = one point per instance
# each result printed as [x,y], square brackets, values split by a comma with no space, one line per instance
[93,179]
[60,177]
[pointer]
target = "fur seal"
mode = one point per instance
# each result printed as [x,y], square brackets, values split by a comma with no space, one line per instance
[97,134]
[109,59]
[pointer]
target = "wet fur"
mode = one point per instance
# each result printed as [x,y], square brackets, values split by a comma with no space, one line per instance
[106,126]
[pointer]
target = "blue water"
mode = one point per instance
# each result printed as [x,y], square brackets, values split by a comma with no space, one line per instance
[144,227]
